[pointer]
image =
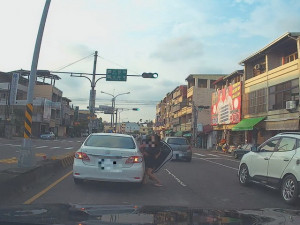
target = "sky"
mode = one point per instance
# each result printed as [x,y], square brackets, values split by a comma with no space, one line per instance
[173,38]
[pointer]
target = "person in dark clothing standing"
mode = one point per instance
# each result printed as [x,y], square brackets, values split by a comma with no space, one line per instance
[151,153]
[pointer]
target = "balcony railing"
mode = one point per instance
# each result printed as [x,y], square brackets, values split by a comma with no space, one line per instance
[190,92]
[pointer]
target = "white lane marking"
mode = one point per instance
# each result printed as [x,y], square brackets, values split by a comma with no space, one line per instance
[42,146]
[198,154]
[70,141]
[78,141]
[213,155]
[176,178]
[220,164]
[7,144]
[54,147]
[16,145]
[69,148]
[226,159]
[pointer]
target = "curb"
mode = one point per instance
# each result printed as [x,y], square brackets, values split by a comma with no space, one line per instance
[16,181]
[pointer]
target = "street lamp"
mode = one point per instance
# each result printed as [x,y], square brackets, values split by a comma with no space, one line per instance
[113,104]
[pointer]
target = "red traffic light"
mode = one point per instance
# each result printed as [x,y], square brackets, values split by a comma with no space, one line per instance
[149,75]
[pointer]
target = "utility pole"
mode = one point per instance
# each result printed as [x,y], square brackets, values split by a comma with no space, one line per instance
[26,158]
[93,93]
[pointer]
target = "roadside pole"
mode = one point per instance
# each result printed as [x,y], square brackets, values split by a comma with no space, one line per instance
[27,158]
[93,94]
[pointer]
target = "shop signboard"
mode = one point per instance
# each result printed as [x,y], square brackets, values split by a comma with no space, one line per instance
[226,105]
[47,110]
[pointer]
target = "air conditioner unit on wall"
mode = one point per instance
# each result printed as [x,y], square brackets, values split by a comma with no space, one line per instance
[257,66]
[290,105]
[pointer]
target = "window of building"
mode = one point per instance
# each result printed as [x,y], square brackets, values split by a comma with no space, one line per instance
[280,93]
[289,58]
[202,83]
[257,101]
[211,84]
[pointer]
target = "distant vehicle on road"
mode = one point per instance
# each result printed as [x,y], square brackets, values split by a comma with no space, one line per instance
[240,151]
[84,134]
[109,157]
[182,150]
[48,136]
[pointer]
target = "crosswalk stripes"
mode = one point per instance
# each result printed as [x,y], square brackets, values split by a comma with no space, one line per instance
[42,146]
[198,154]
[213,155]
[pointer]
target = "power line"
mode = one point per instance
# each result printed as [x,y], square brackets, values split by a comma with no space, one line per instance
[117,64]
[70,64]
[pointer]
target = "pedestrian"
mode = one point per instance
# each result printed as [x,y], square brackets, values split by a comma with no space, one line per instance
[151,153]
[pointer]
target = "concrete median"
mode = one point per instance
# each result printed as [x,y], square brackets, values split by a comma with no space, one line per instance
[15,181]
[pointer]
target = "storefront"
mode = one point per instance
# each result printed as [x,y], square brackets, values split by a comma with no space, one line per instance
[252,128]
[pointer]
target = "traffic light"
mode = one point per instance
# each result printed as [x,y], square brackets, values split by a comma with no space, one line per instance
[150,75]
[135,109]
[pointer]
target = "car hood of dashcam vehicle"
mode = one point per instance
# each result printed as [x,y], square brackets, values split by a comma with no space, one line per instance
[132,214]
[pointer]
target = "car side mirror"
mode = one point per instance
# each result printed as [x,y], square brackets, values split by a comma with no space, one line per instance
[254,149]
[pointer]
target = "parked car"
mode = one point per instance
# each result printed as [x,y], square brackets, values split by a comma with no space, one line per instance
[181,148]
[275,164]
[109,157]
[84,134]
[48,136]
[242,150]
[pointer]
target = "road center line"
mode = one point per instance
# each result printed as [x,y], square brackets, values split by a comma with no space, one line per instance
[54,147]
[69,148]
[176,178]
[38,195]
[220,164]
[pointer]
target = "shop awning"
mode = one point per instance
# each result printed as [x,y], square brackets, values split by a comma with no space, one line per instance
[247,124]
[178,134]
[187,135]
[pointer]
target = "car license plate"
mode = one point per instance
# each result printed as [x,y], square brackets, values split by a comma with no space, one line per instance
[110,165]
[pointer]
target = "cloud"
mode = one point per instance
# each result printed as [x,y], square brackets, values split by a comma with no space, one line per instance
[179,48]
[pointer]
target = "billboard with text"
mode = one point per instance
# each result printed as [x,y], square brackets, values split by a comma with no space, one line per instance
[226,105]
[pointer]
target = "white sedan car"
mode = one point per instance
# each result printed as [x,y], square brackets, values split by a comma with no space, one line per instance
[109,157]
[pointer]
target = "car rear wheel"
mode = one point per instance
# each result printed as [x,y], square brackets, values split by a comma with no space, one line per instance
[244,175]
[289,189]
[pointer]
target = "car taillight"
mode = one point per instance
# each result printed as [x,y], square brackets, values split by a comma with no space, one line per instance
[134,159]
[82,155]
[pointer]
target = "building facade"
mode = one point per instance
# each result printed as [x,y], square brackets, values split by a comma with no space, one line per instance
[271,89]
[199,92]
[226,108]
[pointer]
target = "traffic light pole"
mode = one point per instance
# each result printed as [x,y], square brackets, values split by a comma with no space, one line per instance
[27,159]
[93,93]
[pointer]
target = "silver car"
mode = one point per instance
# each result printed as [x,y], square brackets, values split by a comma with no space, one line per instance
[181,148]
[109,157]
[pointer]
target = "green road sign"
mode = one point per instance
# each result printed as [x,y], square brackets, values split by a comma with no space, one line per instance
[116,75]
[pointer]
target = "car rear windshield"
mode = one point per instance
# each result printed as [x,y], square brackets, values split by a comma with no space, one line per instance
[110,142]
[178,141]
